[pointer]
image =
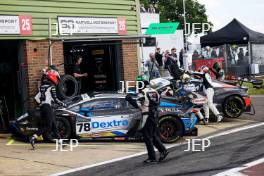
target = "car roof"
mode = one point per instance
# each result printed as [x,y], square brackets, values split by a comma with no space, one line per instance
[99,96]
[109,95]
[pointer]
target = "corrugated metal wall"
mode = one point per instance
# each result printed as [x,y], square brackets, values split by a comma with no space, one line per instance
[41,10]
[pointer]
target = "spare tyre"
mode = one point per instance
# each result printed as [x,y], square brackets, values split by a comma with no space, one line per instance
[68,87]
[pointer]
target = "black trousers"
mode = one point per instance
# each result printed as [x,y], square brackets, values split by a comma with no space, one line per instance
[79,86]
[151,138]
[48,125]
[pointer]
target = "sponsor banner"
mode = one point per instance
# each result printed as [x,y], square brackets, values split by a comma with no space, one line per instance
[15,25]
[98,124]
[162,28]
[91,25]
[9,25]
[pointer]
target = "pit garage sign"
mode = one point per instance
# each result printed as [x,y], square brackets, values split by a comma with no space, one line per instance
[91,25]
[15,25]
[9,25]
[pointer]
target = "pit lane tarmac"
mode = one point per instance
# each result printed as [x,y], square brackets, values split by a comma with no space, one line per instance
[17,158]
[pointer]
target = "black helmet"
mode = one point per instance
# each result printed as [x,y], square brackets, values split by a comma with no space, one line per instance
[53,67]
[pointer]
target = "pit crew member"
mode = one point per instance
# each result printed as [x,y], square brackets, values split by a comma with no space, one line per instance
[45,97]
[148,101]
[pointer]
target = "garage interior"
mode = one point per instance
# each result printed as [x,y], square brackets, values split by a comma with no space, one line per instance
[101,61]
[11,90]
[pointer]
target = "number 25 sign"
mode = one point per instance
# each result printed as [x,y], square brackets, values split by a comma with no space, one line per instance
[25,25]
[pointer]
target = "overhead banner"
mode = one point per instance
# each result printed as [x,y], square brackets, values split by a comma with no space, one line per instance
[162,28]
[9,25]
[90,25]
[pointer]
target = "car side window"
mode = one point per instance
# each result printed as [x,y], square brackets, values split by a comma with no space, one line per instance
[88,104]
[103,104]
[75,108]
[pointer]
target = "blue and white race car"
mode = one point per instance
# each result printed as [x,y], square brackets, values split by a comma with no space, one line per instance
[109,116]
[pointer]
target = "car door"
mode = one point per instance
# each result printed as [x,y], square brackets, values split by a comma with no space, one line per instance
[107,117]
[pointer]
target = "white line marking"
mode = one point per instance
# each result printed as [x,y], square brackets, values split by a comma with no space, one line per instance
[169,146]
[256,96]
[235,171]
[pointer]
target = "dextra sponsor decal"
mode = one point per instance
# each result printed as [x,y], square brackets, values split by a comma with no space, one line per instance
[110,124]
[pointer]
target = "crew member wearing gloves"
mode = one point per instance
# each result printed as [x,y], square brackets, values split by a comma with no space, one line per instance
[209,92]
[148,101]
[45,97]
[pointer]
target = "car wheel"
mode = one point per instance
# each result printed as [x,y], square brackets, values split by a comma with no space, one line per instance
[64,129]
[233,106]
[170,129]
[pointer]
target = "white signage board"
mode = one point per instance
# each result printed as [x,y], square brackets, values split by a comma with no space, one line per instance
[148,18]
[9,25]
[165,42]
[87,25]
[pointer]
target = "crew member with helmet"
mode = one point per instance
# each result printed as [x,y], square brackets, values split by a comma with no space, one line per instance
[209,92]
[46,97]
[148,101]
[218,71]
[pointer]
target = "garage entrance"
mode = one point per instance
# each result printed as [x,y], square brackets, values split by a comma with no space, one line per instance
[101,61]
[11,88]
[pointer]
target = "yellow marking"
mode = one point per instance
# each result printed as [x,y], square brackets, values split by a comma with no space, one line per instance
[53,145]
[10,142]
[40,138]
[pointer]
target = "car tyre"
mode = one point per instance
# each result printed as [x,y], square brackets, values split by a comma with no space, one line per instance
[170,129]
[64,129]
[233,107]
[68,87]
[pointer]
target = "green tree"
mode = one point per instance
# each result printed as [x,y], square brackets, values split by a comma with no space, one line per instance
[172,10]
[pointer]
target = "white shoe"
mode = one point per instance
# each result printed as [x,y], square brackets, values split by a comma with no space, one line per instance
[219,118]
[206,120]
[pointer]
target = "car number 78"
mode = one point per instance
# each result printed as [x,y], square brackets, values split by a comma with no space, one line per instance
[83,127]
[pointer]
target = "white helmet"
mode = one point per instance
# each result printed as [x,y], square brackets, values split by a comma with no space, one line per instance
[185,78]
[205,69]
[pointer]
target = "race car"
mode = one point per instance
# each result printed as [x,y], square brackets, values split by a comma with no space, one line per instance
[108,116]
[230,100]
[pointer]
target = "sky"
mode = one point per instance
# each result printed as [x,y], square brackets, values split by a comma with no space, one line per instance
[248,12]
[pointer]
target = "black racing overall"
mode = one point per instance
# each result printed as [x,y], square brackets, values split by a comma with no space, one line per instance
[46,96]
[148,102]
[150,130]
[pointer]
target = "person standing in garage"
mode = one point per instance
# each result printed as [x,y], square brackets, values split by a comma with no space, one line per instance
[148,101]
[77,72]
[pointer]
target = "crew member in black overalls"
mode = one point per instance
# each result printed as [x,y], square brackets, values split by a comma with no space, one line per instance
[77,72]
[45,97]
[148,101]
